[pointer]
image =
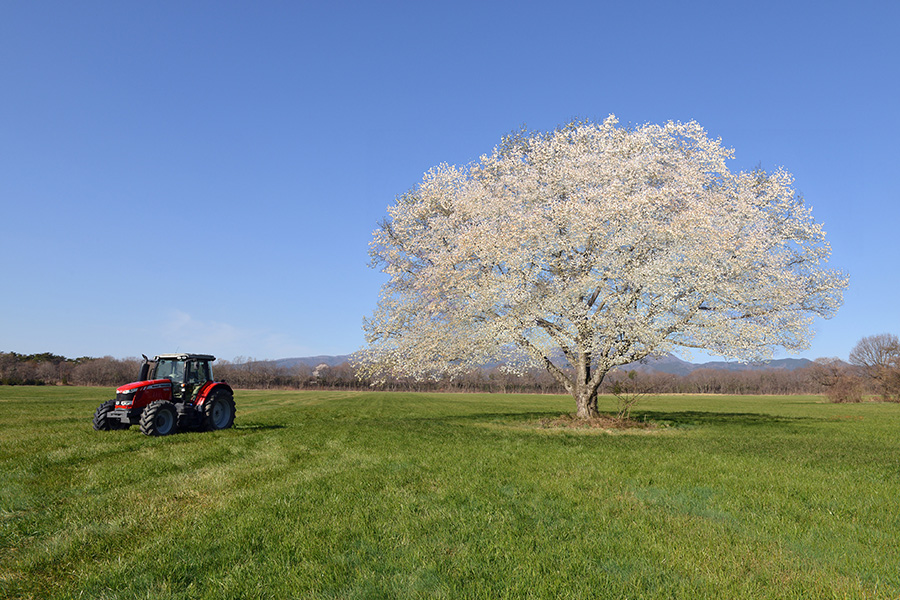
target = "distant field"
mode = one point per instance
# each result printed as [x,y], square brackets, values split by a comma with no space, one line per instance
[375,495]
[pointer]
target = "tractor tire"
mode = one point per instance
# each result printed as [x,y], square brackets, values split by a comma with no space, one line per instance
[159,418]
[102,422]
[219,411]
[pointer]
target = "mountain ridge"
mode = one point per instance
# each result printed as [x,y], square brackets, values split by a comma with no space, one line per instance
[311,361]
[668,363]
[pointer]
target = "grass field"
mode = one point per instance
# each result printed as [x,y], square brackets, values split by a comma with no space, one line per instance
[376,495]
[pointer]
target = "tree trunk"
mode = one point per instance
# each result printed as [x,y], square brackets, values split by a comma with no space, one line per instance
[585,402]
[585,388]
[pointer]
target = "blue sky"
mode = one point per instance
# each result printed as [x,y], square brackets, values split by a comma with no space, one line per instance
[206,176]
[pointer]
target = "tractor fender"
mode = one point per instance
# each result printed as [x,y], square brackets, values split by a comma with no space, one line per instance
[209,388]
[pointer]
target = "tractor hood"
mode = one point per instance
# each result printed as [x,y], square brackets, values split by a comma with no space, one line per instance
[141,393]
[131,388]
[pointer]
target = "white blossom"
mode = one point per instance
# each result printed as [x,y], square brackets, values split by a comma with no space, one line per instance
[597,245]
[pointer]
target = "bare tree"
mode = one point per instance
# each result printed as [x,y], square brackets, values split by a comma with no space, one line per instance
[878,356]
[628,389]
[839,381]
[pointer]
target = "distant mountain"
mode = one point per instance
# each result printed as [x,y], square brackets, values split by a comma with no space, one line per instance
[780,364]
[668,363]
[664,364]
[311,361]
[674,365]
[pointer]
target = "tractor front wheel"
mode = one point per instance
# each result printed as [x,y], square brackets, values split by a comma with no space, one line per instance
[159,418]
[102,422]
[219,411]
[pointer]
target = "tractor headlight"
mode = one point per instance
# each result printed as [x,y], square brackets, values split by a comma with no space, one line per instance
[125,398]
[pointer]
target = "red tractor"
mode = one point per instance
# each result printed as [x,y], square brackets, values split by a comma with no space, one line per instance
[176,392]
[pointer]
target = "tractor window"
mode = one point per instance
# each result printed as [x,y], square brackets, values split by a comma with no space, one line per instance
[197,372]
[170,369]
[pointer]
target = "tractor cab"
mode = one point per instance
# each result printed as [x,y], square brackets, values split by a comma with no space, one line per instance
[187,372]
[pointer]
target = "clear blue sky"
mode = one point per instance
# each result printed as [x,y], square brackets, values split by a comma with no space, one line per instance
[206,176]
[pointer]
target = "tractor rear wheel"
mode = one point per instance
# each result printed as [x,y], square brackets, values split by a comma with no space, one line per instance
[159,418]
[102,422]
[219,411]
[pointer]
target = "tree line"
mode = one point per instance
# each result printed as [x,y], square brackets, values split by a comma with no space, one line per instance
[52,369]
[873,370]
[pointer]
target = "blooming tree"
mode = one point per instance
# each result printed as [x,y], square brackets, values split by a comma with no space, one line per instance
[594,246]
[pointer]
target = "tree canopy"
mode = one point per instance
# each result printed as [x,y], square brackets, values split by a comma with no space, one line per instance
[593,246]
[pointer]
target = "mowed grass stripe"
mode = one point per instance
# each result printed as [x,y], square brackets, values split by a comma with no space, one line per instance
[378,495]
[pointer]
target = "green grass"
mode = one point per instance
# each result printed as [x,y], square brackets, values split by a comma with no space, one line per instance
[374,495]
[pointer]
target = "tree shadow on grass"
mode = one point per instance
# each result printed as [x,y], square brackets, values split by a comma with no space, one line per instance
[508,416]
[663,419]
[687,418]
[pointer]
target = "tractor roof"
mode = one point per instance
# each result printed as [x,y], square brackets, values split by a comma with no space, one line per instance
[184,356]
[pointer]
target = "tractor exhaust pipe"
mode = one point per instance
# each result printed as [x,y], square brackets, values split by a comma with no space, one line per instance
[145,369]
